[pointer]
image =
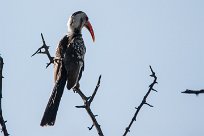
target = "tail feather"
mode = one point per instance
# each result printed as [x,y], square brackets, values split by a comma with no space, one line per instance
[53,104]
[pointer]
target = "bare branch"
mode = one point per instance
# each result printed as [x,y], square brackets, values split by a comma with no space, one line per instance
[196,92]
[2,122]
[95,91]
[1,69]
[44,49]
[87,103]
[143,101]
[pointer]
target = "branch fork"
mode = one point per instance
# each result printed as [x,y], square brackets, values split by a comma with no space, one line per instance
[87,104]
[44,49]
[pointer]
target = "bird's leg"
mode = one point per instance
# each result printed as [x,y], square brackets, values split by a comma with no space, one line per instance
[76,89]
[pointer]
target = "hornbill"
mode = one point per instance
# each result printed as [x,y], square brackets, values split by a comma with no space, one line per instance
[68,63]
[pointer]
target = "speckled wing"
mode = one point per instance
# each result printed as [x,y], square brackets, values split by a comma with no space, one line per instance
[74,61]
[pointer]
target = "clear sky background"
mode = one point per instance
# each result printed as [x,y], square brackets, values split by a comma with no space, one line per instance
[130,36]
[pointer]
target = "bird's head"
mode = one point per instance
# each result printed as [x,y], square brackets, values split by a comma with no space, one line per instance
[77,21]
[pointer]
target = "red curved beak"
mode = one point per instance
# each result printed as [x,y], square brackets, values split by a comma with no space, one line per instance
[89,27]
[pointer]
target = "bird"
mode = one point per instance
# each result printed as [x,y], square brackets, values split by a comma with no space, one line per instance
[68,63]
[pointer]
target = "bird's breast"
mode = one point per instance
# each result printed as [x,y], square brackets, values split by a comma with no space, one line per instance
[76,50]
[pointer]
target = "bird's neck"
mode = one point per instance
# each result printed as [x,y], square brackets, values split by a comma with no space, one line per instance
[73,31]
[73,34]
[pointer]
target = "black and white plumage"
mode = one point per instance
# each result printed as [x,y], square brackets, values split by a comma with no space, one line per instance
[68,64]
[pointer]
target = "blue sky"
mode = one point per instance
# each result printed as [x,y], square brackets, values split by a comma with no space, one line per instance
[130,36]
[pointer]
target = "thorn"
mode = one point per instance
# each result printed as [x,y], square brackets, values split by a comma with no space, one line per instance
[90,128]
[150,67]
[148,104]
[80,106]
[95,115]
[100,77]
[154,90]
[48,64]
[127,130]
[136,108]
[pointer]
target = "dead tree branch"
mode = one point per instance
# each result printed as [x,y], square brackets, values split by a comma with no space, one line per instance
[143,101]
[196,92]
[2,122]
[87,104]
[46,51]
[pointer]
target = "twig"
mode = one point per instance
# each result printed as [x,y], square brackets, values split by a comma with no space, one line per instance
[87,104]
[96,89]
[46,51]
[196,92]
[143,101]
[2,122]
[90,128]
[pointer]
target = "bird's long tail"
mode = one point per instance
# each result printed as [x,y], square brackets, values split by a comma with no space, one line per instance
[53,104]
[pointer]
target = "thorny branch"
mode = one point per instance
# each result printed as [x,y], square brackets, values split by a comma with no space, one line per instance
[46,51]
[143,101]
[87,104]
[196,92]
[2,122]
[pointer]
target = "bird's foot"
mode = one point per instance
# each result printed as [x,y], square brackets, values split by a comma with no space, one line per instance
[76,88]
